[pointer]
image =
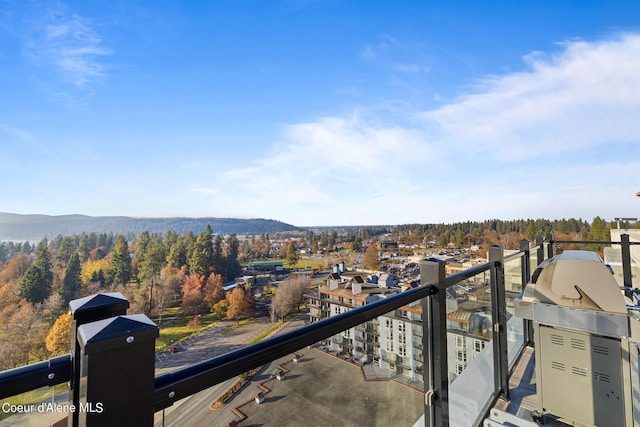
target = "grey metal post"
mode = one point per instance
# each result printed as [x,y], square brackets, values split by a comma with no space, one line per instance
[626,260]
[499,314]
[527,325]
[550,247]
[117,371]
[540,251]
[526,261]
[434,336]
[86,310]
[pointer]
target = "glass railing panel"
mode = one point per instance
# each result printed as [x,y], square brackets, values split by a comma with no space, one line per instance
[369,374]
[635,381]
[44,406]
[613,258]
[469,348]
[513,286]
[533,260]
[513,275]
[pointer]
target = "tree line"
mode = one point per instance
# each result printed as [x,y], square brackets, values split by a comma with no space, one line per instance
[155,270]
[152,271]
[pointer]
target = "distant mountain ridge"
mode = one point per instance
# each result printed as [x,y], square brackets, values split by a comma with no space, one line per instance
[35,227]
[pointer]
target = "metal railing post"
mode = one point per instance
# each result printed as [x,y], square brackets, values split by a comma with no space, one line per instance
[527,325]
[626,260]
[499,317]
[86,310]
[540,251]
[434,337]
[550,247]
[117,371]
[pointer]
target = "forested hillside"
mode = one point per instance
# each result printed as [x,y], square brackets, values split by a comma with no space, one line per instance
[36,227]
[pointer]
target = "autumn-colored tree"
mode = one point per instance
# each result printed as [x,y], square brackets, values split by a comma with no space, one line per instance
[24,334]
[213,290]
[173,279]
[219,309]
[371,258]
[53,307]
[94,272]
[193,295]
[15,268]
[59,337]
[161,298]
[238,304]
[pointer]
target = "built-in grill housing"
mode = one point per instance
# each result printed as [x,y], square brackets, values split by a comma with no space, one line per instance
[583,340]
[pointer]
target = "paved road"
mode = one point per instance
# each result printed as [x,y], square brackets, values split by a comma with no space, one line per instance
[195,410]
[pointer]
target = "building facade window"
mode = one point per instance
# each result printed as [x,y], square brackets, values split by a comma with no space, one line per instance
[478,345]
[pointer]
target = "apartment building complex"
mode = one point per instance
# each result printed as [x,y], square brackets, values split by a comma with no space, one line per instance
[394,341]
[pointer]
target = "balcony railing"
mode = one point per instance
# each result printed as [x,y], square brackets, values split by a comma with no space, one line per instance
[113,361]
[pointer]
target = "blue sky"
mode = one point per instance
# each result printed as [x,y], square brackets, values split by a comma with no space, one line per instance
[321,112]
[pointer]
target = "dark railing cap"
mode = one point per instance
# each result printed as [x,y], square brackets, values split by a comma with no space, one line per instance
[98,306]
[116,332]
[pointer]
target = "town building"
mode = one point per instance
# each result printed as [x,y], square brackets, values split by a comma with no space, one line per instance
[394,341]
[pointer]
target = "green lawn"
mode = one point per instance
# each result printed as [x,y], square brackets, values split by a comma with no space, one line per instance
[177,330]
[302,263]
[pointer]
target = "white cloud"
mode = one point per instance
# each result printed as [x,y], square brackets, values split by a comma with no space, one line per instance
[584,96]
[411,68]
[529,144]
[69,44]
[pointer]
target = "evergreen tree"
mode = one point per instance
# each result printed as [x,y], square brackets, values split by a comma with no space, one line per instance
[43,262]
[177,255]
[201,260]
[599,232]
[233,266]
[141,244]
[149,268]
[26,248]
[292,255]
[84,247]
[71,282]
[33,286]
[120,266]
[219,263]
[66,249]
